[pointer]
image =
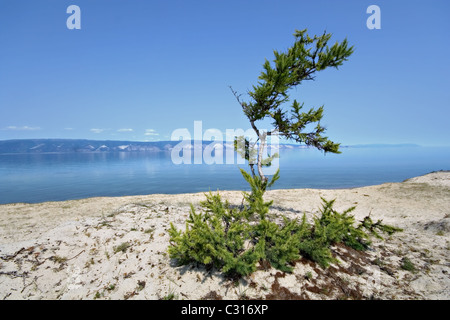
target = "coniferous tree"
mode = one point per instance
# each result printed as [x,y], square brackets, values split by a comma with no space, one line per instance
[307,56]
[235,240]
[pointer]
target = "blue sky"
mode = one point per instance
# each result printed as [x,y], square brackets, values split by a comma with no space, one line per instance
[137,70]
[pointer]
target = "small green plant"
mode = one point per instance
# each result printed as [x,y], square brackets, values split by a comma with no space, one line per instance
[98,295]
[372,227]
[58,259]
[170,296]
[102,224]
[111,287]
[407,265]
[122,247]
[242,293]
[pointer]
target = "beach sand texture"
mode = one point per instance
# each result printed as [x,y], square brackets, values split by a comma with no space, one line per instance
[116,248]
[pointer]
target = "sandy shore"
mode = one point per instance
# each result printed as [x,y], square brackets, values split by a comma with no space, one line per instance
[71,249]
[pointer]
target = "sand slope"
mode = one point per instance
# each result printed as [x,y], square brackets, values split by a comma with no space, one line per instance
[116,248]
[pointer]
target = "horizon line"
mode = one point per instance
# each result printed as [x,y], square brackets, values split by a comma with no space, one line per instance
[283,143]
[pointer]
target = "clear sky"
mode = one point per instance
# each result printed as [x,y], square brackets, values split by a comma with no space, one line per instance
[137,70]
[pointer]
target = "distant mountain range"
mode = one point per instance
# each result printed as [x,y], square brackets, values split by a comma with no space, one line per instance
[86,146]
[402,145]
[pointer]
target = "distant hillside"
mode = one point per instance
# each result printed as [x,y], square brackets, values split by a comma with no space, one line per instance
[78,145]
[81,145]
[402,145]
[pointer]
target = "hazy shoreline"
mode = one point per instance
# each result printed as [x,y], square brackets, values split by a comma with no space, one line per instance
[67,249]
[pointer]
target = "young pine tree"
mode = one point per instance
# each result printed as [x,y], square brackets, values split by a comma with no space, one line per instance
[235,240]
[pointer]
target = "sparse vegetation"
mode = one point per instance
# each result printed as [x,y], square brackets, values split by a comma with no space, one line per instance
[111,287]
[372,227]
[407,265]
[151,232]
[122,247]
[170,296]
[103,223]
[58,259]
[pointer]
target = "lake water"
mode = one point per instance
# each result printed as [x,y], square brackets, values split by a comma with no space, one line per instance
[54,177]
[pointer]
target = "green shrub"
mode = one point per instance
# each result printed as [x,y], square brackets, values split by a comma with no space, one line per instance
[215,237]
[122,247]
[234,239]
[407,265]
[372,227]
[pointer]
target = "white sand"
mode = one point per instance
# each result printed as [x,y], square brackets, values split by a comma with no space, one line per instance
[66,250]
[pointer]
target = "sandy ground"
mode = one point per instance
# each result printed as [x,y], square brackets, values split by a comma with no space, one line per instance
[116,248]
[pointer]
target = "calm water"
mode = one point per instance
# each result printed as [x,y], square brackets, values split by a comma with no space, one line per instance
[54,177]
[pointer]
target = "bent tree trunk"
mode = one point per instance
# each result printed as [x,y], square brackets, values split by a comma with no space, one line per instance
[262,144]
